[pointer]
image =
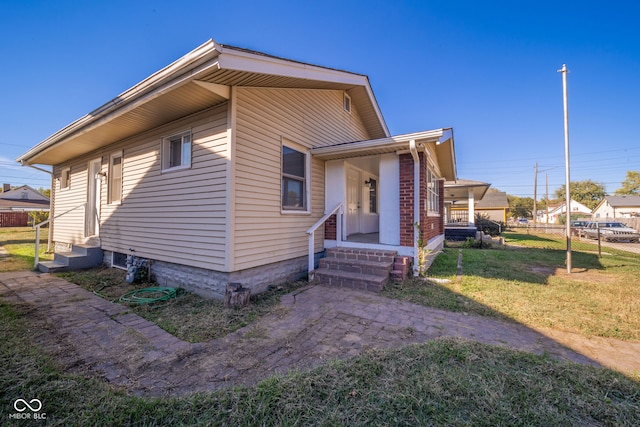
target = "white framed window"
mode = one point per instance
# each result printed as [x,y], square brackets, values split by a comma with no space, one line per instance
[176,151]
[115,178]
[65,179]
[433,194]
[295,179]
[347,103]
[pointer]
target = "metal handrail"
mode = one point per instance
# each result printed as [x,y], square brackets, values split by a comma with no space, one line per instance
[36,258]
[338,211]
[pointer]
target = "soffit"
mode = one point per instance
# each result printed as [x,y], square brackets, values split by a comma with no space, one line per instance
[459,190]
[172,93]
[178,103]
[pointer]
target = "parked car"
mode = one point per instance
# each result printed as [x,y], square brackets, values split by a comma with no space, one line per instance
[610,232]
[523,221]
[577,227]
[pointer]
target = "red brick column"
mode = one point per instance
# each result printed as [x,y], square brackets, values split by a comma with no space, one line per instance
[330,228]
[406,199]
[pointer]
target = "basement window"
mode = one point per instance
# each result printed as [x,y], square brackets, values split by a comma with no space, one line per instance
[118,260]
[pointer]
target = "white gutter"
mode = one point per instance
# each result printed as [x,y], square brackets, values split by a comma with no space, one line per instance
[382,143]
[416,205]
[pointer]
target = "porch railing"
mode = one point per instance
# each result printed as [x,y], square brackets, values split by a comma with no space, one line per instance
[36,258]
[338,211]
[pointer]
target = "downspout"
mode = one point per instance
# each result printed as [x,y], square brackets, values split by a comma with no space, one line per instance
[416,206]
[51,215]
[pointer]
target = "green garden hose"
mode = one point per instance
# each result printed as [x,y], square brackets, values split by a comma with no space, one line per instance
[148,295]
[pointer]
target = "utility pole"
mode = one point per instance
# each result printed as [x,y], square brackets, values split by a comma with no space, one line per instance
[546,195]
[535,194]
[564,72]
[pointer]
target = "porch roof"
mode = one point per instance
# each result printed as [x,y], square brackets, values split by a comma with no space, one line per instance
[442,138]
[459,190]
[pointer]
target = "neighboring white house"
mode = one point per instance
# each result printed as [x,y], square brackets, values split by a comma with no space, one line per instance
[215,167]
[617,207]
[557,211]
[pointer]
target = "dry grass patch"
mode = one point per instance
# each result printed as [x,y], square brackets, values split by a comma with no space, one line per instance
[188,316]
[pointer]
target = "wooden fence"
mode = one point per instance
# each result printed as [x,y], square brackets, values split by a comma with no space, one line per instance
[14,219]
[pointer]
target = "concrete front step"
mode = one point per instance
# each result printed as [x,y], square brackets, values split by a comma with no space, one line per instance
[371,268]
[362,254]
[52,266]
[345,279]
[365,269]
[80,257]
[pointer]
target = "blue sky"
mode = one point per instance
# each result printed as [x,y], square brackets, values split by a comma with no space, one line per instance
[487,69]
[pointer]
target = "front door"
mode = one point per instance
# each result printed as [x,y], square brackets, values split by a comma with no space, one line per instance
[353,201]
[92,212]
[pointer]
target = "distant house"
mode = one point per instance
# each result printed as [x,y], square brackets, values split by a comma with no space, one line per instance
[218,167]
[617,207]
[558,210]
[494,206]
[15,205]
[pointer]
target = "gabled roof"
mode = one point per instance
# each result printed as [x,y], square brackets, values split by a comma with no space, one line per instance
[623,201]
[197,81]
[493,200]
[23,193]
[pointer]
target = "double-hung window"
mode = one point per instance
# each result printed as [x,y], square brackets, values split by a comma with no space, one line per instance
[294,180]
[115,178]
[65,178]
[432,191]
[176,151]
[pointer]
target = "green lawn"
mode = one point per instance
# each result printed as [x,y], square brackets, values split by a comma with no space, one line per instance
[442,383]
[19,243]
[530,285]
[445,382]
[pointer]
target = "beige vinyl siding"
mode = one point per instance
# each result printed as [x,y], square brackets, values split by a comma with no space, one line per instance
[308,118]
[175,216]
[69,227]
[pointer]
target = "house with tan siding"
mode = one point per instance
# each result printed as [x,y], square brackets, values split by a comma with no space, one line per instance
[231,165]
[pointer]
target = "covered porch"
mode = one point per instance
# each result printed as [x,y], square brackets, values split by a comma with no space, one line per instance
[370,200]
[460,199]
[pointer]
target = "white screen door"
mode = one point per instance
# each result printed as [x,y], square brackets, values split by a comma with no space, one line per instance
[353,201]
[92,213]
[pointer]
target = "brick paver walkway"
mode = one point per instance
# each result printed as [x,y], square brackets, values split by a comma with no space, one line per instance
[309,327]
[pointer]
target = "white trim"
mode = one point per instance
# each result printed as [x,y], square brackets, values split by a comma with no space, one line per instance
[230,209]
[346,102]
[110,177]
[166,148]
[62,172]
[286,142]
[389,144]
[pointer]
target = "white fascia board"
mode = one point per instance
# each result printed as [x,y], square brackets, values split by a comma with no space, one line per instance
[376,107]
[426,136]
[231,59]
[158,83]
